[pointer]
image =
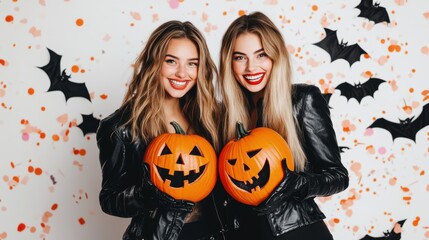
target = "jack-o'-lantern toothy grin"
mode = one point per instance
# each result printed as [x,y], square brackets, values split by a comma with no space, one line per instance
[257,181]
[177,180]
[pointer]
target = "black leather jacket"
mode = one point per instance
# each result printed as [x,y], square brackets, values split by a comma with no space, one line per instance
[325,173]
[121,196]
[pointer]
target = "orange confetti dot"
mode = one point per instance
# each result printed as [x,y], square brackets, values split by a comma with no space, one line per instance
[241,13]
[224,13]
[9,18]
[2,62]
[82,152]
[79,22]
[38,171]
[336,220]
[75,68]
[411,90]
[75,151]
[54,206]
[81,221]
[30,169]
[82,71]
[33,229]
[413,70]
[30,91]
[42,135]
[21,227]
[366,55]
[103,96]
[416,221]
[16,179]
[314,7]
[382,41]
[55,137]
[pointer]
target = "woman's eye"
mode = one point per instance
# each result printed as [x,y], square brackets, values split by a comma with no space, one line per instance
[262,55]
[193,64]
[238,58]
[170,61]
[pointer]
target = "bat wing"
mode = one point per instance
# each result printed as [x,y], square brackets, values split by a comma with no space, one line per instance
[373,13]
[73,89]
[349,91]
[53,69]
[330,44]
[371,86]
[396,129]
[351,53]
[89,124]
[59,81]
[420,122]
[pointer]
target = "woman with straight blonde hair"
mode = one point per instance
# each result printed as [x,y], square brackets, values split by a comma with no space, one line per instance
[257,90]
[172,81]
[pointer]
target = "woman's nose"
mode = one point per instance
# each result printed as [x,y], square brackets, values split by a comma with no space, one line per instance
[181,71]
[251,65]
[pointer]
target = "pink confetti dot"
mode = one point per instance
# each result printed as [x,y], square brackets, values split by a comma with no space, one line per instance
[368,132]
[174,4]
[25,136]
[382,150]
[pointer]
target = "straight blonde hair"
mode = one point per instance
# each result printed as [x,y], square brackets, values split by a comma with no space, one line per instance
[277,101]
[146,92]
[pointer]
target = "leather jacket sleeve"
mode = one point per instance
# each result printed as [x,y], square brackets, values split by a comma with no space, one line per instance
[326,175]
[121,172]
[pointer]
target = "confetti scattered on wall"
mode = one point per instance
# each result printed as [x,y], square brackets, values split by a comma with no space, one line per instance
[49,169]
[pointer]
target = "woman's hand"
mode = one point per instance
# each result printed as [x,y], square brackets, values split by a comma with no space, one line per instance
[292,187]
[160,199]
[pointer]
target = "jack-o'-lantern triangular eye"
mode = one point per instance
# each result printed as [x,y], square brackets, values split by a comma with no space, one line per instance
[253,152]
[196,152]
[165,150]
[232,161]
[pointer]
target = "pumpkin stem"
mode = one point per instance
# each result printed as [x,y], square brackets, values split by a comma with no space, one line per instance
[177,128]
[241,131]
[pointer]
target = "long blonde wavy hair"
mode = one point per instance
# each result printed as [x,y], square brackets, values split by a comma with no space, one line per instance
[277,101]
[146,91]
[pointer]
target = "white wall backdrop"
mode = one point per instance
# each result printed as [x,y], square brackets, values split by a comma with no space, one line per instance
[50,174]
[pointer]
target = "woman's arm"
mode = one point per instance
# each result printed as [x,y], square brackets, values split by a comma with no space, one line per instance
[121,173]
[327,175]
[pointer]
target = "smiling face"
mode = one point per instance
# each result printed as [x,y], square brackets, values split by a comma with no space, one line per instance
[250,64]
[179,71]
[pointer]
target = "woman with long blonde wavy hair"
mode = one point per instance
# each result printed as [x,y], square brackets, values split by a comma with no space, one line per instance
[256,89]
[172,81]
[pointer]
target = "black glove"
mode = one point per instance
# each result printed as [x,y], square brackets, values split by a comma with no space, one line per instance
[293,187]
[159,199]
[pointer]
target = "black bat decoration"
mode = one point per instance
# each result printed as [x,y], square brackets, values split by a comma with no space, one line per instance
[392,235]
[338,50]
[60,80]
[360,90]
[89,124]
[405,128]
[343,148]
[373,12]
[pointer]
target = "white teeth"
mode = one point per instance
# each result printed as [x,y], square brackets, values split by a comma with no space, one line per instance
[254,77]
[181,83]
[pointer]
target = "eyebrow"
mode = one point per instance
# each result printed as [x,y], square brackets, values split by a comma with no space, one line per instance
[172,56]
[257,51]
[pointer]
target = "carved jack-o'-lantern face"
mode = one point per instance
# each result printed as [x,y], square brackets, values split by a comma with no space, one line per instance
[250,167]
[183,166]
